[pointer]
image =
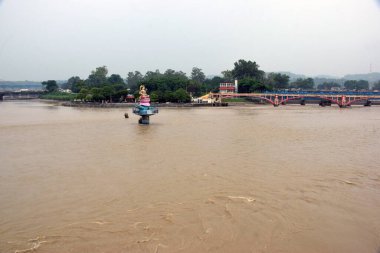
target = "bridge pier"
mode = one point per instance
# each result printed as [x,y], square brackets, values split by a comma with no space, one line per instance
[324,103]
[343,102]
[276,102]
[144,120]
[368,103]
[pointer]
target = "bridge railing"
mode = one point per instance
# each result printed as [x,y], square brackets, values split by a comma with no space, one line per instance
[321,93]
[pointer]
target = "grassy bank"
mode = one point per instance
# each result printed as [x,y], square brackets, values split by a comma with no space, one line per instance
[234,100]
[63,96]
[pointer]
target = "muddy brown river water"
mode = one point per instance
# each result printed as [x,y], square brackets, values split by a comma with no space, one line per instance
[292,179]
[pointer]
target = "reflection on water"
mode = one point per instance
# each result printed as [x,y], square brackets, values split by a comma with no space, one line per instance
[237,179]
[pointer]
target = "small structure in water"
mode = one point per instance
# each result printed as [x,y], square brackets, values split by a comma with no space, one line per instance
[143,108]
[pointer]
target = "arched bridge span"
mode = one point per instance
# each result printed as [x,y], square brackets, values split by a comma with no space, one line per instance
[340,98]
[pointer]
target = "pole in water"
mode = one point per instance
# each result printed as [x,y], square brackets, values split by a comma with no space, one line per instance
[144,120]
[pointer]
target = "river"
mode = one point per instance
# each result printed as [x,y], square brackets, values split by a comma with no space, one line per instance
[291,179]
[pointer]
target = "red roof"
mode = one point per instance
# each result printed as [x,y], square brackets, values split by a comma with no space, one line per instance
[227,88]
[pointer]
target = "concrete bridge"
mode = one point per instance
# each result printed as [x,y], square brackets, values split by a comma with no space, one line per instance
[342,99]
[27,94]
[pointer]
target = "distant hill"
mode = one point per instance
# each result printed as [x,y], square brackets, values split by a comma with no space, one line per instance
[15,85]
[319,80]
[292,76]
[327,77]
[370,77]
[212,76]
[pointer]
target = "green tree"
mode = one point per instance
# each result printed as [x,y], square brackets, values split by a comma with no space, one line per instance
[356,85]
[133,80]
[83,94]
[98,77]
[108,91]
[171,80]
[248,85]
[168,96]
[158,96]
[213,84]
[303,84]
[277,80]
[75,84]
[97,94]
[181,96]
[50,85]
[194,87]
[350,84]
[363,85]
[89,97]
[120,95]
[197,75]
[227,75]
[152,74]
[328,85]
[115,79]
[376,86]
[154,96]
[247,69]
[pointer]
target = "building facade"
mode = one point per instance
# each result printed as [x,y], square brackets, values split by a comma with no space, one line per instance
[228,87]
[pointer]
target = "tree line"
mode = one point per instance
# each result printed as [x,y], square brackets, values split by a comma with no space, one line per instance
[176,86]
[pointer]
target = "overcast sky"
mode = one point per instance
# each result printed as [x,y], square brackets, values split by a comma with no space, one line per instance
[57,39]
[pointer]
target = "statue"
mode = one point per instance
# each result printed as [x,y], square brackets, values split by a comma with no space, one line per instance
[144,98]
[143,108]
[142,91]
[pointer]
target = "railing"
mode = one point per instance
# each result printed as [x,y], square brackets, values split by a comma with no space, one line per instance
[321,93]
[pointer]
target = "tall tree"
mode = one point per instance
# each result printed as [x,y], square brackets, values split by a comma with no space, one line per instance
[227,76]
[50,85]
[356,85]
[169,72]
[115,79]
[195,88]
[152,74]
[277,80]
[74,84]
[328,85]
[133,80]
[248,85]
[304,84]
[363,85]
[213,84]
[108,91]
[376,86]
[197,75]
[181,96]
[243,69]
[98,77]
